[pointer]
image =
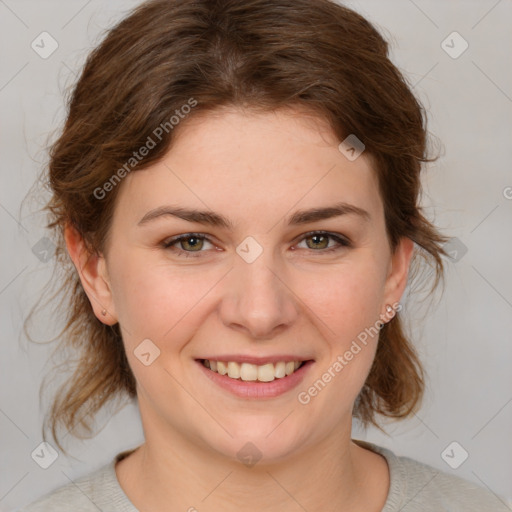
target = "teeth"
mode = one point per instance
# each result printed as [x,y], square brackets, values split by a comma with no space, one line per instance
[266,373]
[252,372]
[280,370]
[248,371]
[222,368]
[233,370]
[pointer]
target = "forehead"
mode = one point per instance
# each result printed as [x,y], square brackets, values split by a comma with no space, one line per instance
[255,166]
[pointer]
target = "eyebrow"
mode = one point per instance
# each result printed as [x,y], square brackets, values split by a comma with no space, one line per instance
[215,219]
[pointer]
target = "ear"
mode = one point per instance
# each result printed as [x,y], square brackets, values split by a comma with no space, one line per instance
[93,275]
[396,280]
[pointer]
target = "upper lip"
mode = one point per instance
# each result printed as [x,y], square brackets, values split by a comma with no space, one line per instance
[259,361]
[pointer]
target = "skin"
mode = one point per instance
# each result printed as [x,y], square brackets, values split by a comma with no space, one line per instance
[257,170]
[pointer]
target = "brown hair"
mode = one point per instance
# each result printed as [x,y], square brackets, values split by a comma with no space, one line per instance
[256,54]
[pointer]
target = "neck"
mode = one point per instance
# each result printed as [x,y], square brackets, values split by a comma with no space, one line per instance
[173,472]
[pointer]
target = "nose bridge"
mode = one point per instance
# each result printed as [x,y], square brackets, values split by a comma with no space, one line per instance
[257,298]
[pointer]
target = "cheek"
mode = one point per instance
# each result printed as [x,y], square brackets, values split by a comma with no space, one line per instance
[165,306]
[161,302]
[348,303]
[348,299]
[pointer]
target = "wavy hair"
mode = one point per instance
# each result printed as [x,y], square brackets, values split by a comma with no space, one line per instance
[263,55]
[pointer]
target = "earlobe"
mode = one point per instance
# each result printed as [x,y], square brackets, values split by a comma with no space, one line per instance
[399,270]
[93,275]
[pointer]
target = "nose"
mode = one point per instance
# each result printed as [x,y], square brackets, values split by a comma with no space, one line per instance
[258,301]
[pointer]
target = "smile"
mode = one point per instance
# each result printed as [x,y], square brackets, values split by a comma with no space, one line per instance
[252,372]
[255,381]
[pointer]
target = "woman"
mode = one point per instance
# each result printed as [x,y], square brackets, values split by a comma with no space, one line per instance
[235,193]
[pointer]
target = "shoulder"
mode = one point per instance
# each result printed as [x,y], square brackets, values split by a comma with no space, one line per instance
[418,487]
[98,490]
[439,490]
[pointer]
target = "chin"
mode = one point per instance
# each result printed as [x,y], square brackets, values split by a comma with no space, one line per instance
[260,442]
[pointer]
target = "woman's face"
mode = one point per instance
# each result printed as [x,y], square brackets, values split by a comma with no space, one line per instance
[261,287]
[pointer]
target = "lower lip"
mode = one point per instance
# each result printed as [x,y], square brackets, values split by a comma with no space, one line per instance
[256,389]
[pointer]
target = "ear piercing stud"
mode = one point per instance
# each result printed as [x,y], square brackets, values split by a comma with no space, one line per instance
[104,312]
[389,309]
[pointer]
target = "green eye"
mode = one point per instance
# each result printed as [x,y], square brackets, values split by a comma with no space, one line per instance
[194,243]
[321,241]
[318,240]
[190,242]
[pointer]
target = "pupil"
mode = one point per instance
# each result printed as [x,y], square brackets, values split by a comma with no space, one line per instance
[194,243]
[317,238]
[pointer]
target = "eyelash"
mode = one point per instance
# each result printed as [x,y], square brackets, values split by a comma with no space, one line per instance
[169,244]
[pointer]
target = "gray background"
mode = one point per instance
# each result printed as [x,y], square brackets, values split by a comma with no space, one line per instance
[464,340]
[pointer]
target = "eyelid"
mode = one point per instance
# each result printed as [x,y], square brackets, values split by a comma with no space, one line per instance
[202,236]
[345,239]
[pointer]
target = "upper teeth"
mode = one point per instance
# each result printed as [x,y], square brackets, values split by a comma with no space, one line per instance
[246,371]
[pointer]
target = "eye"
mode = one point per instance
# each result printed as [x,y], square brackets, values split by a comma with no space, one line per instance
[190,242]
[320,241]
[194,243]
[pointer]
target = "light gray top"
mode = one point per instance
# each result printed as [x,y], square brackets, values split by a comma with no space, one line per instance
[414,487]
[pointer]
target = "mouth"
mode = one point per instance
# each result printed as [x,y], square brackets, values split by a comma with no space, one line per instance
[250,380]
[252,372]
